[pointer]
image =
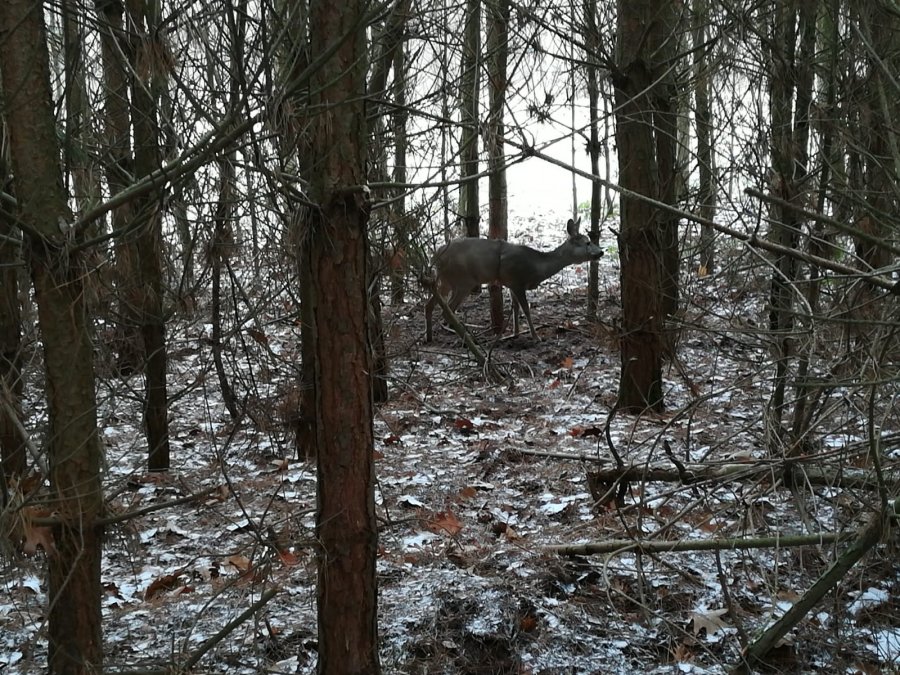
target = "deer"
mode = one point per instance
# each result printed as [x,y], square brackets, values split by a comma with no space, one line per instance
[464,264]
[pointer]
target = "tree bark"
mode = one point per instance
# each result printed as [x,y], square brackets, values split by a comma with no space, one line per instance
[338,257]
[641,245]
[470,83]
[75,639]
[592,48]
[498,56]
[148,239]
[12,442]
[703,121]
[119,167]
[790,89]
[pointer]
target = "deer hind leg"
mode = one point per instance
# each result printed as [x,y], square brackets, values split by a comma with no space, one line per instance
[521,300]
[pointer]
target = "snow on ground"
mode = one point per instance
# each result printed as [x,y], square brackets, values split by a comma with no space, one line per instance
[473,481]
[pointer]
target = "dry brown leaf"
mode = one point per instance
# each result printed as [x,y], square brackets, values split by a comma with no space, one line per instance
[258,335]
[445,522]
[528,623]
[288,558]
[709,620]
[467,492]
[164,583]
[463,425]
[240,562]
[682,653]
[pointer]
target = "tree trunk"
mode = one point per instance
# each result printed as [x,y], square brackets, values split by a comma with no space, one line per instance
[790,89]
[703,120]
[830,151]
[219,250]
[498,55]
[338,255]
[75,639]
[390,52]
[119,168]
[639,33]
[12,441]
[148,240]
[592,48]
[880,23]
[400,117]
[663,99]
[470,83]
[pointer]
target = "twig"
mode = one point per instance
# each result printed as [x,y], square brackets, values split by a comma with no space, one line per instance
[492,373]
[227,629]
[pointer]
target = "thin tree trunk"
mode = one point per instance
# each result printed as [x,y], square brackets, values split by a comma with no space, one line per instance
[592,46]
[806,392]
[147,243]
[338,254]
[400,248]
[498,56]
[791,87]
[470,84]
[75,638]
[220,249]
[390,42]
[294,58]
[703,120]
[119,169]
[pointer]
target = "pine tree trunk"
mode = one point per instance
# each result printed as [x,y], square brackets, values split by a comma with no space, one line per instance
[338,256]
[470,83]
[147,243]
[641,243]
[75,638]
[498,55]
[592,44]
[12,441]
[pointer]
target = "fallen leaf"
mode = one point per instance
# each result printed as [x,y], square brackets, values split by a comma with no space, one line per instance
[288,558]
[682,653]
[528,623]
[240,562]
[467,492]
[463,425]
[445,522]
[258,335]
[164,583]
[710,620]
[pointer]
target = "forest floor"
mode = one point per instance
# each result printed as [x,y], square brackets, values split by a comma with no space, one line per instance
[474,481]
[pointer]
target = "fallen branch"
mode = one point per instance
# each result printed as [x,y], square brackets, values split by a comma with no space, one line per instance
[492,373]
[867,536]
[793,472]
[619,546]
[202,650]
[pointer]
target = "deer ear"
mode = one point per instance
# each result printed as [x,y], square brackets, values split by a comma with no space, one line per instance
[572,227]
